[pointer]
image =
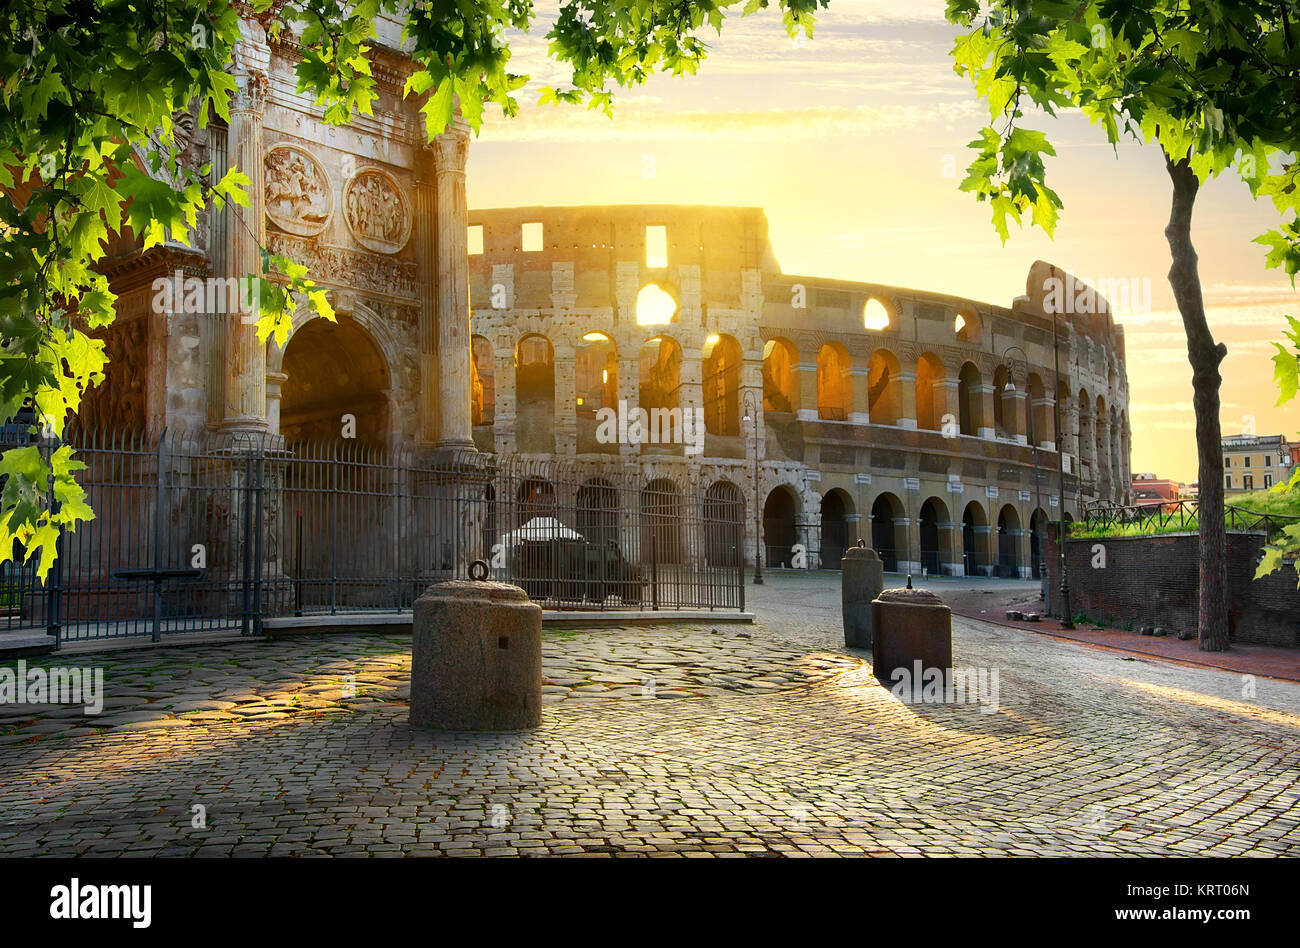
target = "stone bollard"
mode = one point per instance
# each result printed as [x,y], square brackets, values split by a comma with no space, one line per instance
[476,658]
[909,626]
[862,577]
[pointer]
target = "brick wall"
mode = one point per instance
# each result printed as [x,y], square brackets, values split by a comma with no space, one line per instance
[1153,581]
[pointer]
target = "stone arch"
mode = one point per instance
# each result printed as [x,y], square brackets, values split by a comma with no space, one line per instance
[780,526]
[836,533]
[1038,543]
[724,525]
[656,305]
[780,376]
[595,384]
[974,540]
[834,382]
[970,405]
[935,528]
[888,535]
[884,388]
[596,514]
[1101,451]
[535,394]
[334,370]
[661,522]
[931,392]
[721,367]
[1009,534]
[968,327]
[482,381]
[878,313]
[1085,438]
[660,387]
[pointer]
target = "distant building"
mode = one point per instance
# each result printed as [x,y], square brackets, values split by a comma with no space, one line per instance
[1190,491]
[1149,489]
[1255,462]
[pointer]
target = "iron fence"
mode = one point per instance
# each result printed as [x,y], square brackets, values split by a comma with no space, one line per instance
[1177,516]
[218,532]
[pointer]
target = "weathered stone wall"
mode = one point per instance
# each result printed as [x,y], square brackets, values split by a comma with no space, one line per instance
[1154,581]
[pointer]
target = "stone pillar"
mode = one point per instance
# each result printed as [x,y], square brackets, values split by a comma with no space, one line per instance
[807,410]
[983,395]
[985,550]
[691,393]
[244,399]
[949,547]
[426,258]
[1014,406]
[629,390]
[564,415]
[852,529]
[947,401]
[860,406]
[1044,422]
[907,400]
[451,151]
[503,425]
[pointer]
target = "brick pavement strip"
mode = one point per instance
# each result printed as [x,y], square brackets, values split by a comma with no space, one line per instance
[1086,753]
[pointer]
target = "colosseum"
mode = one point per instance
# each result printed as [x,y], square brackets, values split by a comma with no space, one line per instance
[914,421]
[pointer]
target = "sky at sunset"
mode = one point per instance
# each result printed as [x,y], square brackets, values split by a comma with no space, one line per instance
[849,141]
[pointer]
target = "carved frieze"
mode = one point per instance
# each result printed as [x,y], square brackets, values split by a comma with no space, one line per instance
[352,269]
[377,212]
[298,196]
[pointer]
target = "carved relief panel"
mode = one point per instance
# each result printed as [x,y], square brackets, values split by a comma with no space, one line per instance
[298,196]
[377,211]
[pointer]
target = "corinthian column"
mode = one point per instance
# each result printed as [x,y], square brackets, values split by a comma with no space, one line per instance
[244,404]
[426,253]
[451,149]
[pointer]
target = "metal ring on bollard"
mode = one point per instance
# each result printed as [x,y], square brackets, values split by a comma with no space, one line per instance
[862,544]
[478,570]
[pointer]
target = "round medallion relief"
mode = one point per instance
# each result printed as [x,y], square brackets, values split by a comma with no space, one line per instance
[298,196]
[377,211]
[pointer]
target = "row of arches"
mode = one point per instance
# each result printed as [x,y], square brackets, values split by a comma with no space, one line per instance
[980,542]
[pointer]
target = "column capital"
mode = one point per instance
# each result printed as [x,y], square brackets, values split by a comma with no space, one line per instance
[451,148]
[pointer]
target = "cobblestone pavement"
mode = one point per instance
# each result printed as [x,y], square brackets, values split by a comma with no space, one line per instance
[779,742]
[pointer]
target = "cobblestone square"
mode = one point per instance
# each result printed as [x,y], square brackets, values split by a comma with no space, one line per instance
[707,739]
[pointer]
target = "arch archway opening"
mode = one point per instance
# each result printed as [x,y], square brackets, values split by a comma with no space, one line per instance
[780,530]
[337,385]
[535,395]
[875,315]
[1009,542]
[780,376]
[884,394]
[888,538]
[721,386]
[724,525]
[482,382]
[655,306]
[834,382]
[936,547]
[661,523]
[835,532]
[970,417]
[974,540]
[660,395]
[595,380]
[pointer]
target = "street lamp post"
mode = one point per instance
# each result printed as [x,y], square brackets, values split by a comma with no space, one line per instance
[751,415]
[1067,622]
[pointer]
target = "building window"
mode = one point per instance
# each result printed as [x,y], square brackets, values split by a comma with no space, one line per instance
[474,241]
[1248,482]
[1227,482]
[533,237]
[1247,460]
[656,246]
[1268,481]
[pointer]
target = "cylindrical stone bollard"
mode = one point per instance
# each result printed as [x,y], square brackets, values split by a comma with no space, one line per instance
[476,658]
[862,577]
[909,626]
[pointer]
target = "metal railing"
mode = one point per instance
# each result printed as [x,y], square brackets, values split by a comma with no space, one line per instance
[309,528]
[1177,516]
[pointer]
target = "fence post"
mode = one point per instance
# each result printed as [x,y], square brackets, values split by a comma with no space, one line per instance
[247,577]
[259,486]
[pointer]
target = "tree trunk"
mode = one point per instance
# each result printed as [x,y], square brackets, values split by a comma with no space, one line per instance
[1205,355]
